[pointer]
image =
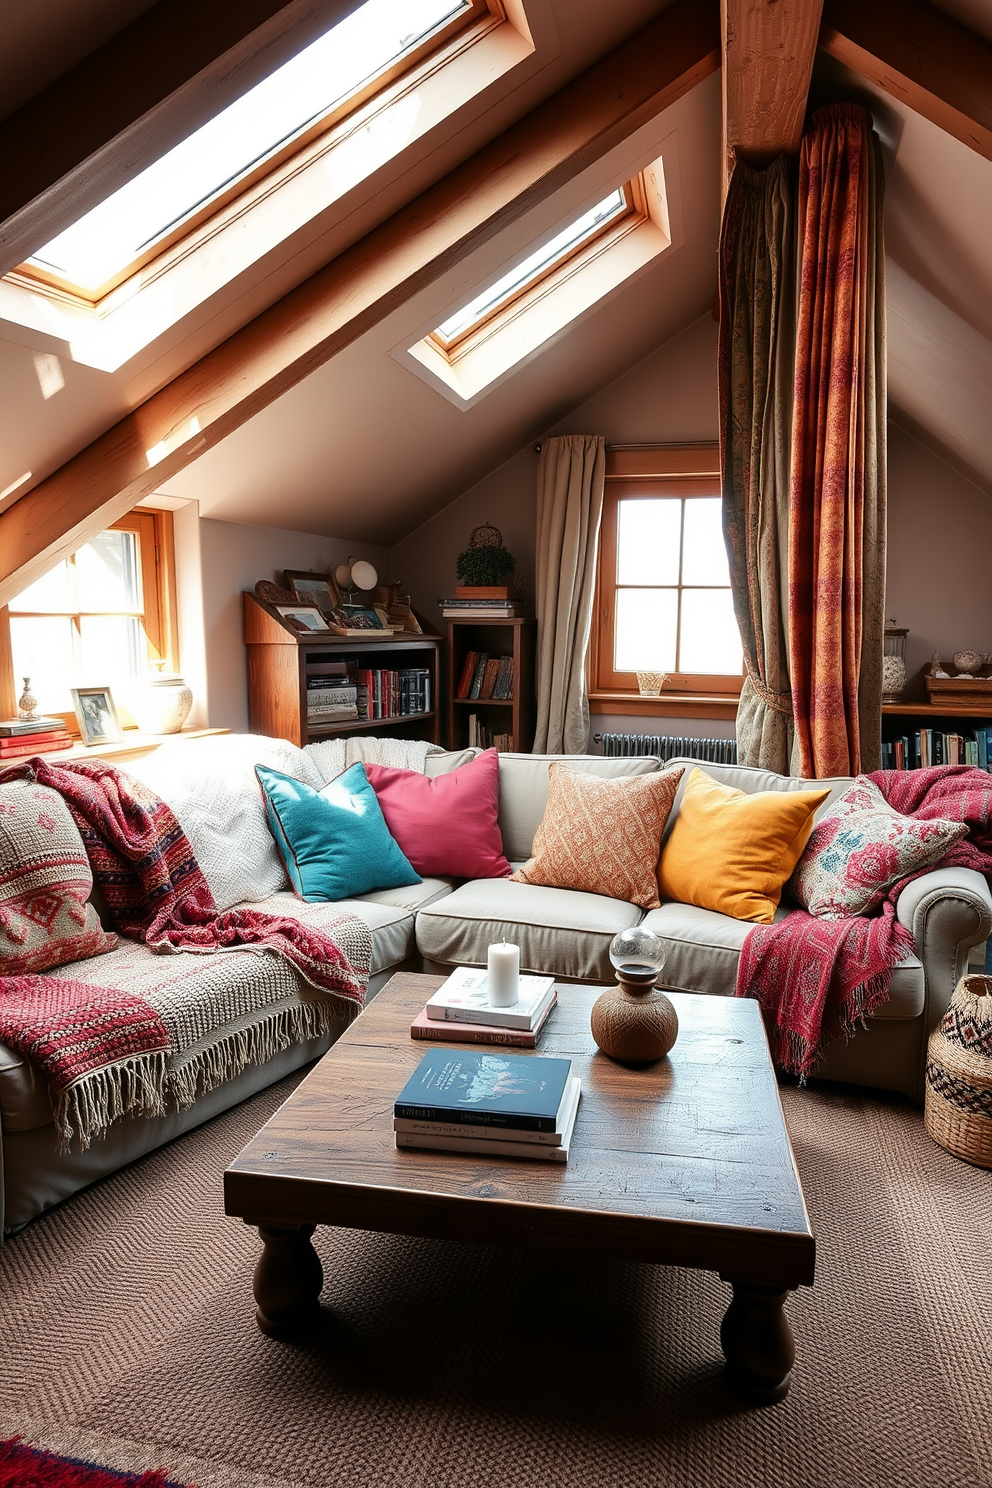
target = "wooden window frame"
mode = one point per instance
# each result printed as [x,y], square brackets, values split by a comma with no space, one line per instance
[633,213]
[667,471]
[156,553]
[284,161]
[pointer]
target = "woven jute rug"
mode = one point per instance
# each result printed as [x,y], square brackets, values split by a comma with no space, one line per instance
[128,1339]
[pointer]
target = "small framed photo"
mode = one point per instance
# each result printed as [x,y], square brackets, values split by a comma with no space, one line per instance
[96,715]
[302,617]
[361,618]
[314,589]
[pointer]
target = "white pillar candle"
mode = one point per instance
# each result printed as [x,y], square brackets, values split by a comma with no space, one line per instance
[503,980]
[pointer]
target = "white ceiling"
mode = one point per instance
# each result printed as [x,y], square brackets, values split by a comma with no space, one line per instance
[365,450]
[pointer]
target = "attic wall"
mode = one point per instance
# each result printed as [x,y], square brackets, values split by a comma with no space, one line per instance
[940,538]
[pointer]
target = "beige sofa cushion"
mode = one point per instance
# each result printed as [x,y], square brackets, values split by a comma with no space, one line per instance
[559,931]
[704,948]
[523,790]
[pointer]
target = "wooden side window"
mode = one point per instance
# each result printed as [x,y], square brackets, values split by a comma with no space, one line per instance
[663,594]
[101,617]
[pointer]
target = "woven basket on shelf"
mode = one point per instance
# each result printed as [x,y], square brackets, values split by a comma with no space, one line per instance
[958,1110]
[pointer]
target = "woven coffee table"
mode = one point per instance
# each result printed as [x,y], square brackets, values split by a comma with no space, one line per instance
[685,1162]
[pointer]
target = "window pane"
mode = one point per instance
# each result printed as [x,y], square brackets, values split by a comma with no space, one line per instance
[42,650]
[648,541]
[109,237]
[51,592]
[710,639]
[113,651]
[645,630]
[586,226]
[107,573]
[704,552]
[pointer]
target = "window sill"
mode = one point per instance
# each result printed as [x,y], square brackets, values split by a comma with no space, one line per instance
[670,705]
[131,746]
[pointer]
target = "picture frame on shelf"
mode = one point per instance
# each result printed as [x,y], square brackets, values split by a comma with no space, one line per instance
[360,617]
[314,589]
[96,715]
[303,617]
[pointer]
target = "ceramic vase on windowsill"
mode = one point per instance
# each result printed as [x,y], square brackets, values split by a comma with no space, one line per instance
[161,704]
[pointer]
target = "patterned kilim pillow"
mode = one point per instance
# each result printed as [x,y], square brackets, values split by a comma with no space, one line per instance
[45,881]
[860,847]
[602,836]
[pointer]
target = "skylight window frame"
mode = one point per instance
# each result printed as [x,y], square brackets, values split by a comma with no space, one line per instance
[435,52]
[548,278]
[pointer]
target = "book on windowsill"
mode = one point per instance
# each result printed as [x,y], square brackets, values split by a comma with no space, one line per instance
[452,1032]
[14,728]
[501,1142]
[472,1088]
[464,998]
[20,748]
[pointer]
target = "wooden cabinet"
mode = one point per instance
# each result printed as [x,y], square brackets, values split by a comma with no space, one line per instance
[513,715]
[278,659]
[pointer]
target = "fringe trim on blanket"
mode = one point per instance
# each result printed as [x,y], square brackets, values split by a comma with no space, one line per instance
[132,1087]
[146,1086]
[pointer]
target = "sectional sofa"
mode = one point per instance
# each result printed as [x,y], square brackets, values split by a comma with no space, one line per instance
[440,923]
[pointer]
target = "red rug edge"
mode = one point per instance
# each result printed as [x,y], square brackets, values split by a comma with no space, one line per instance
[24,1466]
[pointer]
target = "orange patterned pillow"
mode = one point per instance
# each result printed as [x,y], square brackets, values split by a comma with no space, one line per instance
[602,836]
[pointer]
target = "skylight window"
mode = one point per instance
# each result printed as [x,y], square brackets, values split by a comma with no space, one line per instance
[550,256]
[105,243]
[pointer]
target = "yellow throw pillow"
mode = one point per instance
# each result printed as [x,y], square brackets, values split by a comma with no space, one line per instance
[602,836]
[732,851]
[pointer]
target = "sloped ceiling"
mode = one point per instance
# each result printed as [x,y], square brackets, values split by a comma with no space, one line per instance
[44,39]
[363,449]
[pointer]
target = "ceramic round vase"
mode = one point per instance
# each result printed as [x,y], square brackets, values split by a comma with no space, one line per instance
[634,1021]
[161,704]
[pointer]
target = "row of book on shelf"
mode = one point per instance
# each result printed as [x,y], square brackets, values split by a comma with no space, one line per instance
[932,747]
[480,609]
[342,690]
[482,737]
[495,1103]
[26,736]
[484,676]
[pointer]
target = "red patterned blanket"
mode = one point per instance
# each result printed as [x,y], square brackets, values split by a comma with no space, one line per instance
[104,1050]
[817,979]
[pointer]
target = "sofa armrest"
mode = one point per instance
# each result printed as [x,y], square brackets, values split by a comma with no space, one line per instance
[948,911]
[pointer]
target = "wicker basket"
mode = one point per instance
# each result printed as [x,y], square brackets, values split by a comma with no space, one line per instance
[958,1109]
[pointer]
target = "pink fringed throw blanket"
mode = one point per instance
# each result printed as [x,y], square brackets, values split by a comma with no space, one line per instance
[817,979]
[105,1050]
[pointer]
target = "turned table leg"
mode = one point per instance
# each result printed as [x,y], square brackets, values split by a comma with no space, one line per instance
[757,1341]
[288,1279]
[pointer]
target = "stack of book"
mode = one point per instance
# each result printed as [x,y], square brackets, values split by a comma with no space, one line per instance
[499,1105]
[459,1011]
[480,609]
[484,676]
[20,737]
[331,693]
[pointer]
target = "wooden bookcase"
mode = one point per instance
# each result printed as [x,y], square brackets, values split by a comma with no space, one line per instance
[903,719]
[277,677]
[514,715]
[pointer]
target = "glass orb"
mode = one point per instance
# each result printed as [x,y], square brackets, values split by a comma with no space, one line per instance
[638,952]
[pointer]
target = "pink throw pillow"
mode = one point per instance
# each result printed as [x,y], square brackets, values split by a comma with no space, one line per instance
[446,826]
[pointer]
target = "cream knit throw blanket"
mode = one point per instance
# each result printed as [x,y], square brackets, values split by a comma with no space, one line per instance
[332,756]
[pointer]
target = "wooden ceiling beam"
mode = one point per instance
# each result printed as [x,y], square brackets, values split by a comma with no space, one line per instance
[130,101]
[922,57]
[357,290]
[768,51]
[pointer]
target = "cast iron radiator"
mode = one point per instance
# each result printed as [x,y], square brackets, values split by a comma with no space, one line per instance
[670,746]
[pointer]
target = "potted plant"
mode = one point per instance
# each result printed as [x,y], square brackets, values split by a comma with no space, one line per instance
[485,566]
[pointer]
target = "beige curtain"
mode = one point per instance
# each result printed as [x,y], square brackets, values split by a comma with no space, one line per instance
[570,478]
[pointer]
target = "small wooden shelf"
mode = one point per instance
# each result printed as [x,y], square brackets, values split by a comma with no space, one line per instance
[513,636]
[977,709]
[278,665]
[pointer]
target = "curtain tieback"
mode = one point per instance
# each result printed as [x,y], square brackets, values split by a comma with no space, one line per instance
[780,702]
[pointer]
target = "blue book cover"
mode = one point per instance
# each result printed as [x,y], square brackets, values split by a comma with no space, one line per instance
[982,735]
[486,1089]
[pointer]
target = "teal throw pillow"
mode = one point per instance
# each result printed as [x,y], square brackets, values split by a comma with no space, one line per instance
[334,842]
